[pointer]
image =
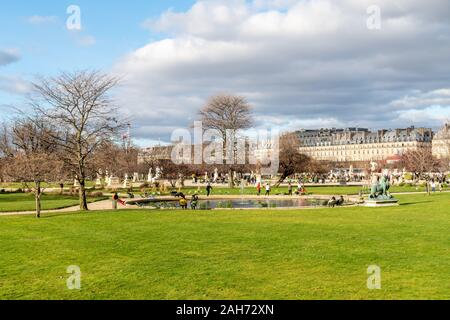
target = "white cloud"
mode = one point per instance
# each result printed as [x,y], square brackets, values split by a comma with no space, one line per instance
[86,41]
[300,63]
[8,56]
[14,85]
[431,107]
[41,20]
[433,115]
[437,98]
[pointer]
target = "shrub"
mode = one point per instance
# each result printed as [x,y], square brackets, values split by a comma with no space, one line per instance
[408,176]
[97,194]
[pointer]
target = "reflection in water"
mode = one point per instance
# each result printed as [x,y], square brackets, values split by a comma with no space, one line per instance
[241,204]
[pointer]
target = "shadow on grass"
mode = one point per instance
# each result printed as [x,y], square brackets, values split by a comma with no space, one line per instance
[63,214]
[414,203]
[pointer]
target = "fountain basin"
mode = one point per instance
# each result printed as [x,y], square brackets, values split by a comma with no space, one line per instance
[236,203]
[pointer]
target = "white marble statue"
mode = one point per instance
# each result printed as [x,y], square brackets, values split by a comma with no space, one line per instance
[158,173]
[98,181]
[373,166]
[216,175]
[150,176]
[126,181]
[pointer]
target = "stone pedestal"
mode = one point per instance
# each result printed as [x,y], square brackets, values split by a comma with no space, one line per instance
[114,182]
[126,184]
[99,182]
[375,203]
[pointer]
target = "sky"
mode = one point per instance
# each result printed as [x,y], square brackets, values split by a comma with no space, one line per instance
[302,64]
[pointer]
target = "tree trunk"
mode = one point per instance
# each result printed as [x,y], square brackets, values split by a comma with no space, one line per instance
[280,181]
[82,193]
[37,196]
[230,179]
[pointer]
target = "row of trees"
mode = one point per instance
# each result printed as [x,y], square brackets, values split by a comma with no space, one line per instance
[72,126]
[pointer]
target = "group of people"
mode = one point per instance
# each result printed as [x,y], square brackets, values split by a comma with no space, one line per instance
[301,190]
[336,203]
[184,202]
[435,186]
[268,189]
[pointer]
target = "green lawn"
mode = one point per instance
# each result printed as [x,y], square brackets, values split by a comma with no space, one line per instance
[11,202]
[314,190]
[18,185]
[265,254]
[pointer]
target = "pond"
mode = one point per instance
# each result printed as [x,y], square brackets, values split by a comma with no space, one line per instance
[237,204]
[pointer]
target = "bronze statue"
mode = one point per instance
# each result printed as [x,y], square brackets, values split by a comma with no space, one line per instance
[380,189]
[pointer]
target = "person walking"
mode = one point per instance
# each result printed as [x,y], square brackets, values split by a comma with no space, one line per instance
[208,189]
[116,200]
[258,188]
[268,189]
[299,187]
[290,189]
[433,186]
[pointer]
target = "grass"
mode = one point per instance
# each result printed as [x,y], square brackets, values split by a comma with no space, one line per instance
[19,185]
[12,202]
[265,254]
[313,190]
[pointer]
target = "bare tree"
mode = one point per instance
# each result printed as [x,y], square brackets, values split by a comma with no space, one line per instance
[227,114]
[114,158]
[6,150]
[291,160]
[420,161]
[31,158]
[82,114]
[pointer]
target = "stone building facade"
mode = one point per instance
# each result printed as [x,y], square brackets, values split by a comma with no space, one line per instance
[441,143]
[356,144]
[157,153]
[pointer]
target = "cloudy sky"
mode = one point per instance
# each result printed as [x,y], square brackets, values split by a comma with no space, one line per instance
[300,63]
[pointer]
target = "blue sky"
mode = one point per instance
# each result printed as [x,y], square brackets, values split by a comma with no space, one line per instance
[116,25]
[46,46]
[300,63]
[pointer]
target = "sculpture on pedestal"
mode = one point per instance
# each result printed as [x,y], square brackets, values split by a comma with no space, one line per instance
[150,176]
[158,173]
[380,189]
[216,175]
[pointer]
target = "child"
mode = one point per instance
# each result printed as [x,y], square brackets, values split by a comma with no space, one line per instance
[183,203]
[268,190]
[194,202]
